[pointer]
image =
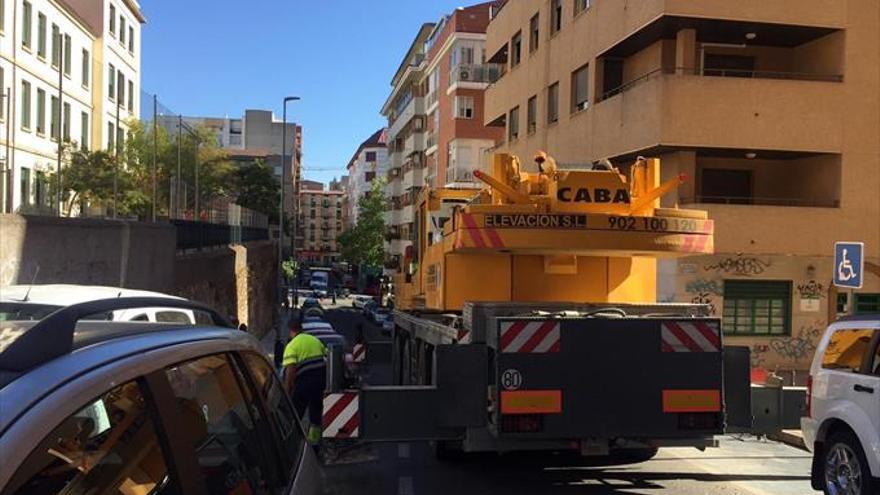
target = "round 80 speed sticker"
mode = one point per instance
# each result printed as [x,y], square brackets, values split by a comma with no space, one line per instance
[511,379]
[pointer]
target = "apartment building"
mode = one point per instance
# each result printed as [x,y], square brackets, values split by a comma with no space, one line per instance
[772,110]
[321,220]
[69,70]
[407,125]
[368,162]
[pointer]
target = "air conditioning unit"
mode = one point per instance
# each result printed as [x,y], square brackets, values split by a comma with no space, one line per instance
[464,75]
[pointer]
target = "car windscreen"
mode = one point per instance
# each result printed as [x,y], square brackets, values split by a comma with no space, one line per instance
[24,311]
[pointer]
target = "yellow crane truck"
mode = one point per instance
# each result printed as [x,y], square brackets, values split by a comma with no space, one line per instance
[526,318]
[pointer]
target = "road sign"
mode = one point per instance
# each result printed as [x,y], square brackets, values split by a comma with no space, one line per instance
[849,264]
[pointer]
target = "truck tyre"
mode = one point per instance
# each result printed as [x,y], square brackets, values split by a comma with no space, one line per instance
[845,468]
[449,451]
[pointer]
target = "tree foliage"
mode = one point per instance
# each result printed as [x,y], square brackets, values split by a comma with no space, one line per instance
[258,189]
[363,243]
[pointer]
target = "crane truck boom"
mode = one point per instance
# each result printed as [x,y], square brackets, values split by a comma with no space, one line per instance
[527,318]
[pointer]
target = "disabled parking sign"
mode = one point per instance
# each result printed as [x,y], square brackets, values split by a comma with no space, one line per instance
[849,264]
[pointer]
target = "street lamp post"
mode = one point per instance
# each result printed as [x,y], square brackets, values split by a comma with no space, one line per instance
[279,339]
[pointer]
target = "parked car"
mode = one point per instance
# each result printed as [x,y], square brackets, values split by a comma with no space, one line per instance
[842,426]
[358,301]
[310,302]
[34,302]
[380,314]
[116,407]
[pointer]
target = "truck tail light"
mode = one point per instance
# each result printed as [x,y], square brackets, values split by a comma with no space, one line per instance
[809,396]
[522,423]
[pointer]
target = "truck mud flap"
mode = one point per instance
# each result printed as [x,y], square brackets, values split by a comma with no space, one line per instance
[438,412]
[737,389]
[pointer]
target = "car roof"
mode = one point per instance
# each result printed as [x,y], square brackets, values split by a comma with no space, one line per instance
[69,294]
[871,317]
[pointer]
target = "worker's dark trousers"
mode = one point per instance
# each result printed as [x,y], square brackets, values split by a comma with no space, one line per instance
[308,392]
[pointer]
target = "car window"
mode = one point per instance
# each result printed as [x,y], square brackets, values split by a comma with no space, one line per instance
[875,362]
[140,317]
[108,446]
[173,317]
[12,311]
[284,420]
[227,443]
[847,348]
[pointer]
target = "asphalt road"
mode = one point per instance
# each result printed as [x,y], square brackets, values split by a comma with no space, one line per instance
[739,466]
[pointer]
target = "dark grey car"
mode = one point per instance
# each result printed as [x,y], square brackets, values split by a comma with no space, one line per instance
[144,408]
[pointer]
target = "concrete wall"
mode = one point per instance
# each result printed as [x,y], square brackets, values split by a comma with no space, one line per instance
[84,251]
[237,281]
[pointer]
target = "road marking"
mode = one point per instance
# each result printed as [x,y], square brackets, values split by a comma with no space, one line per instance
[403,450]
[405,486]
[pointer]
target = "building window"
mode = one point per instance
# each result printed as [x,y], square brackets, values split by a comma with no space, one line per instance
[84,131]
[56,45]
[67,52]
[41,35]
[41,112]
[866,303]
[516,49]
[757,307]
[112,17]
[725,186]
[26,105]
[513,124]
[579,89]
[53,118]
[111,136]
[131,39]
[580,6]
[534,32]
[371,156]
[122,30]
[26,24]
[41,188]
[553,103]
[369,176]
[532,115]
[555,16]
[24,186]
[85,68]
[120,87]
[464,107]
[130,95]
[111,82]
[65,123]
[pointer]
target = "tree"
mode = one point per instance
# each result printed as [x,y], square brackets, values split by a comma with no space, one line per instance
[88,179]
[364,243]
[258,189]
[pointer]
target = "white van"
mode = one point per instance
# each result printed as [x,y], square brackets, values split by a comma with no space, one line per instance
[34,302]
[842,427]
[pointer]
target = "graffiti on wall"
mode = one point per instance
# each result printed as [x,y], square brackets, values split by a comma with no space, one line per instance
[798,348]
[745,266]
[811,290]
[758,355]
[704,290]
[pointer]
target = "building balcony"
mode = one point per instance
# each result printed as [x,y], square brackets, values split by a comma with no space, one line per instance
[430,101]
[474,76]
[415,106]
[406,214]
[431,140]
[414,177]
[415,142]
[719,112]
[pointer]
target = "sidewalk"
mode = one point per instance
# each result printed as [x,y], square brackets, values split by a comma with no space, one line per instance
[794,438]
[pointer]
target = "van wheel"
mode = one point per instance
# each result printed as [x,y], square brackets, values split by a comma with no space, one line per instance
[846,467]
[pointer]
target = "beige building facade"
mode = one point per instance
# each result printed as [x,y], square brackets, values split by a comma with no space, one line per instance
[771,109]
[320,223]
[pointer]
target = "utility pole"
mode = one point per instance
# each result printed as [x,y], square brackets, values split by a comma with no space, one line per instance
[279,343]
[196,165]
[116,161]
[155,151]
[58,182]
[177,181]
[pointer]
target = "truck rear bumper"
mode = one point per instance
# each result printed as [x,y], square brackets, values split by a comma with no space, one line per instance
[482,440]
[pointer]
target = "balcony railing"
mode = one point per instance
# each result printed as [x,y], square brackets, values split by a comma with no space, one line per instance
[487,73]
[762,201]
[745,74]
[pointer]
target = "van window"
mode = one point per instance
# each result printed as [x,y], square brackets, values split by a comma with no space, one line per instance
[227,443]
[108,446]
[847,348]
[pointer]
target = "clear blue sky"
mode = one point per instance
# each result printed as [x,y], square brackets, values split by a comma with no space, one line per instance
[219,57]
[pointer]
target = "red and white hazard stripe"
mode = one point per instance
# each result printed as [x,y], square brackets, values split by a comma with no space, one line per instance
[533,337]
[464,336]
[359,353]
[689,336]
[341,417]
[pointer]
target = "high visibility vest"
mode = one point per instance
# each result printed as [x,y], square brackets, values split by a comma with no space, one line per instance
[305,352]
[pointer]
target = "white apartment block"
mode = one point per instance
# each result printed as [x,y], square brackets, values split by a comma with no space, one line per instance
[369,162]
[65,66]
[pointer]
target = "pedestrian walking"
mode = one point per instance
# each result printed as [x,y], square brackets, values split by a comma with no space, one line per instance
[305,377]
